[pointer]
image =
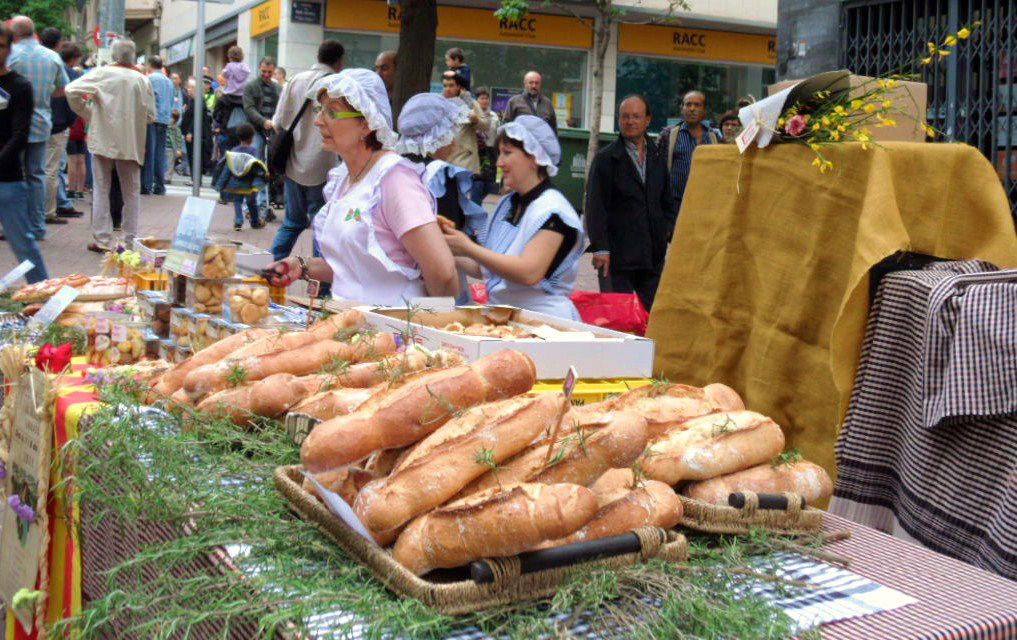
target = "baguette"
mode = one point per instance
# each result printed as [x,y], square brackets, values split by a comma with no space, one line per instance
[713,445]
[382,462]
[501,429]
[613,484]
[338,402]
[663,406]
[401,416]
[339,323]
[804,478]
[269,397]
[654,504]
[301,360]
[368,374]
[493,524]
[578,456]
[273,343]
[172,380]
[725,397]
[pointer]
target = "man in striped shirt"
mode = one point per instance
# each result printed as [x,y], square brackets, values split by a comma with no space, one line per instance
[678,143]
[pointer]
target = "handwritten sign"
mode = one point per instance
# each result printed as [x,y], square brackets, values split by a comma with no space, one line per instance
[54,307]
[192,233]
[26,481]
[15,273]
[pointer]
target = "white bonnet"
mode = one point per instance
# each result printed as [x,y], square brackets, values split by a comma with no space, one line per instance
[538,138]
[366,93]
[429,121]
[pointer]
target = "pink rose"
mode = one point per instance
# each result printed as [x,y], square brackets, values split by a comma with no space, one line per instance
[795,125]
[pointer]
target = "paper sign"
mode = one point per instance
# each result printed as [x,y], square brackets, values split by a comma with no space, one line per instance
[339,507]
[745,138]
[20,538]
[15,273]
[53,307]
[192,232]
[570,383]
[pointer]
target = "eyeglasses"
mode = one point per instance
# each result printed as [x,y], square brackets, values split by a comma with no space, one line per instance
[336,115]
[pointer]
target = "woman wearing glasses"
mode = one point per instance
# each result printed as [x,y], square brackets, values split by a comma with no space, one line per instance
[378,233]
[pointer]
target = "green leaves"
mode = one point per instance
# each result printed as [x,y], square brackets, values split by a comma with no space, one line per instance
[791,456]
[236,376]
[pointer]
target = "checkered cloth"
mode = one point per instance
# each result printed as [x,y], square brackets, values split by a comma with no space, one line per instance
[931,430]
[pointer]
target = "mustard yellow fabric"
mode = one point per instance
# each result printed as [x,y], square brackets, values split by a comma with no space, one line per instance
[766,282]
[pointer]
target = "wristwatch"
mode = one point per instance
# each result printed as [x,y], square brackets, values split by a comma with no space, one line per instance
[303,268]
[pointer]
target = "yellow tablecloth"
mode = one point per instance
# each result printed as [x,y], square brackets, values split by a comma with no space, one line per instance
[766,282]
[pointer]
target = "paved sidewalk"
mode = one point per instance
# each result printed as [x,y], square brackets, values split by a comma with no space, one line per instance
[64,248]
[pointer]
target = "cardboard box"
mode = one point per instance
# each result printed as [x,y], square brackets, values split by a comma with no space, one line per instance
[595,352]
[911,97]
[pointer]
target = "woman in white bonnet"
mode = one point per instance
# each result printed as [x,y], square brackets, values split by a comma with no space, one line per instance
[530,258]
[429,124]
[378,234]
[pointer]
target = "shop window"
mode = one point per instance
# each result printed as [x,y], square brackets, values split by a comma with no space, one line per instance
[268,46]
[664,82]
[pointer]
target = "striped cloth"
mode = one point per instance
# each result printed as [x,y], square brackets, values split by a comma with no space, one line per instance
[931,429]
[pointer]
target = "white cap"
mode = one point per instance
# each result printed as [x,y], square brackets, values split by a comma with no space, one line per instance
[538,140]
[429,121]
[366,93]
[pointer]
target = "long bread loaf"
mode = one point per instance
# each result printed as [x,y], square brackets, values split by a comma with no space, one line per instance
[713,445]
[269,397]
[493,433]
[613,484]
[494,523]
[663,406]
[579,457]
[423,402]
[804,478]
[173,380]
[337,402]
[337,326]
[654,504]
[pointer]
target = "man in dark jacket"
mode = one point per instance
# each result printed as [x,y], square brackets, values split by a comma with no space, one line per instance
[260,98]
[629,213]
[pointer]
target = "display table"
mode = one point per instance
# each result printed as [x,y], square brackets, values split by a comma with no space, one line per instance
[766,282]
[927,448]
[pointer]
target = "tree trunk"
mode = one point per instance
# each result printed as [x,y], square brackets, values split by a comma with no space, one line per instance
[415,58]
[601,40]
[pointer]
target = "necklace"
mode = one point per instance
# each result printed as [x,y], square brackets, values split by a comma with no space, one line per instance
[363,169]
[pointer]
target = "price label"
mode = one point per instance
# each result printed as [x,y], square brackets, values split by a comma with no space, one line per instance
[192,233]
[313,288]
[15,273]
[746,137]
[54,307]
[102,325]
[339,507]
[570,383]
[119,333]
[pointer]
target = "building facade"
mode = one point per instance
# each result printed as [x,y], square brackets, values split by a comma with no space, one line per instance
[727,48]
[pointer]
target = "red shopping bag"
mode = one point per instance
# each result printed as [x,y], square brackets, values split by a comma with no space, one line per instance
[618,311]
[479,292]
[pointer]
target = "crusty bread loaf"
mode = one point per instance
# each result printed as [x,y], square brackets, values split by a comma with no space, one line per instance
[662,405]
[724,396]
[613,484]
[804,478]
[383,461]
[494,523]
[337,402]
[713,445]
[274,342]
[652,504]
[269,397]
[579,457]
[425,481]
[403,415]
[338,323]
[173,380]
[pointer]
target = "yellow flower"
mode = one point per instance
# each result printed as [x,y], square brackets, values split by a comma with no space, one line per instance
[825,121]
[780,122]
[814,146]
[950,41]
[964,33]
[929,131]
[816,162]
[835,135]
[826,166]
[842,128]
[856,105]
[869,108]
[891,84]
[932,48]
[943,53]
[839,110]
[927,60]
[881,83]
[815,127]
[887,103]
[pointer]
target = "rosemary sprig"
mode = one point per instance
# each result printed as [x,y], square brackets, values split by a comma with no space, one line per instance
[485,458]
[237,375]
[789,457]
[336,366]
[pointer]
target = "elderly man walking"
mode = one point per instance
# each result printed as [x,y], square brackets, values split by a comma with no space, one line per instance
[45,70]
[118,102]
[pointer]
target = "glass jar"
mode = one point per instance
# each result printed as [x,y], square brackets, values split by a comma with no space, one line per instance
[218,259]
[180,325]
[128,342]
[247,303]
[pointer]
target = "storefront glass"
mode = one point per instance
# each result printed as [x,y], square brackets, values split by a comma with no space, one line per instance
[268,46]
[491,64]
[665,81]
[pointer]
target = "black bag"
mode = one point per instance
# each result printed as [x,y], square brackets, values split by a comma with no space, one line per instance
[281,145]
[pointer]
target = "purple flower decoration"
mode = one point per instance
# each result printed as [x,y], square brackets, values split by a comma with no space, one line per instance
[22,510]
[3,470]
[400,344]
[120,249]
[95,377]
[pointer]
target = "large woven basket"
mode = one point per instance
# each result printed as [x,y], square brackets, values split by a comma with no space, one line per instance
[712,518]
[461,596]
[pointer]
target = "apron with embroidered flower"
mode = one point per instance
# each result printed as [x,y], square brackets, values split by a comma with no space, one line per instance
[345,233]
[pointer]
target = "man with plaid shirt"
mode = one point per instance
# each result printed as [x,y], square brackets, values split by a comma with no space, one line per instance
[45,70]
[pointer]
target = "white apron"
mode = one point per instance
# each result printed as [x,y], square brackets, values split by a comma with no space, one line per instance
[344,231]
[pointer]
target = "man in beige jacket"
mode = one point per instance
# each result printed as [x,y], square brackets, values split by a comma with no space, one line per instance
[118,104]
[465,152]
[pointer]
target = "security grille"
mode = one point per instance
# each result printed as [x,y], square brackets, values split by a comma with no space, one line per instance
[972,93]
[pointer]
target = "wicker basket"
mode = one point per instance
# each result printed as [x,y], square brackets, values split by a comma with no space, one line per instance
[462,596]
[713,518]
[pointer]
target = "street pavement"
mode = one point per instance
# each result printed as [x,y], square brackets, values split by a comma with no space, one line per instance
[64,248]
